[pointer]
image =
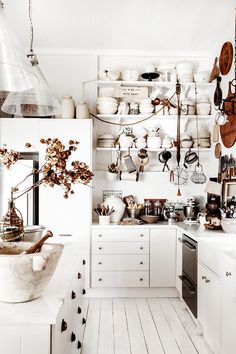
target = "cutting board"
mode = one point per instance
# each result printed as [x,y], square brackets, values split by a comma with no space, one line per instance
[228,130]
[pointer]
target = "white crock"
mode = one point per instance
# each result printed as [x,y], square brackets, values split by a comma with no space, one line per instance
[118,206]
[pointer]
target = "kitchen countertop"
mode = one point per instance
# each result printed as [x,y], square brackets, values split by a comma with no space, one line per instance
[44,310]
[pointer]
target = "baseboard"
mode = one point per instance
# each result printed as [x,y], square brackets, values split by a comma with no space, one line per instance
[132,292]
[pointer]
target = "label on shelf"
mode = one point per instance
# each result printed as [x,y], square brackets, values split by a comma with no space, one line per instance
[132,92]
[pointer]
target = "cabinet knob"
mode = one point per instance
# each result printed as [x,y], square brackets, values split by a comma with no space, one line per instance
[84,262]
[141,248]
[141,235]
[141,279]
[203,277]
[100,263]
[100,279]
[79,310]
[79,275]
[83,321]
[73,295]
[79,345]
[63,325]
[100,248]
[228,274]
[100,235]
[84,292]
[207,281]
[73,337]
[141,262]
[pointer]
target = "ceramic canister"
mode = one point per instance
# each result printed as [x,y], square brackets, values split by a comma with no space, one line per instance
[117,205]
[67,107]
[82,111]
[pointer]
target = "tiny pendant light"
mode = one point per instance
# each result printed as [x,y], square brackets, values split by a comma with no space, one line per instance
[16,73]
[36,102]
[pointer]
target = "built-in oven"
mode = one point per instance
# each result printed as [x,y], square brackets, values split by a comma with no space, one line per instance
[189,273]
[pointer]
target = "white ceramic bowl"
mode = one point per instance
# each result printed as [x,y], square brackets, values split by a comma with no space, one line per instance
[186,143]
[107,109]
[130,75]
[106,100]
[33,233]
[229,225]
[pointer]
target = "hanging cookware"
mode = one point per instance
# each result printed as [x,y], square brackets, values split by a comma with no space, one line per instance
[198,176]
[228,130]
[218,93]
[189,158]
[164,157]
[130,165]
[218,150]
[143,159]
[215,72]
[226,58]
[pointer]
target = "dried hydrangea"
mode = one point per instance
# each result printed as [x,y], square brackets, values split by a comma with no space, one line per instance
[56,170]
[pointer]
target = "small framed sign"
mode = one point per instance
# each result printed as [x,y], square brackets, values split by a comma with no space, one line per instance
[132,92]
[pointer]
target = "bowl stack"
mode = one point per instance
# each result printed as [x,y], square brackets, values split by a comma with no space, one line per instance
[146,106]
[107,105]
[185,72]
[204,139]
[106,141]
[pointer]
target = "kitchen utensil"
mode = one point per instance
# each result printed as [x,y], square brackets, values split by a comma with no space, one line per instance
[150,219]
[143,159]
[218,93]
[38,244]
[218,150]
[228,130]
[216,133]
[226,58]
[198,176]
[189,158]
[164,156]
[129,163]
[33,232]
[215,71]
[191,212]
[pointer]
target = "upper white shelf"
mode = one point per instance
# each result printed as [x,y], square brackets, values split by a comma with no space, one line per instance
[152,150]
[155,116]
[102,83]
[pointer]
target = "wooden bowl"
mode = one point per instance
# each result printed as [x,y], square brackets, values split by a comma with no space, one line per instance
[150,219]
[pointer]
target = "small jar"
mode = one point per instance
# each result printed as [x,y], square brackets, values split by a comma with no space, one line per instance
[82,111]
[67,107]
[133,108]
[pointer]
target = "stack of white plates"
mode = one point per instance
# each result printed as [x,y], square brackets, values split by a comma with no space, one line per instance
[146,106]
[203,143]
[204,108]
[106,141]
[107,105]
[185,72]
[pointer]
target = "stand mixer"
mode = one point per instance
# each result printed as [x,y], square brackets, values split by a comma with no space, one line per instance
[191,211]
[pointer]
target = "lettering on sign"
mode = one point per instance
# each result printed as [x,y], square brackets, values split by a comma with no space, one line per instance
[132,92]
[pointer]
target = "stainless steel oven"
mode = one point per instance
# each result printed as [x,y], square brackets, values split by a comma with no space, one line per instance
[189,273]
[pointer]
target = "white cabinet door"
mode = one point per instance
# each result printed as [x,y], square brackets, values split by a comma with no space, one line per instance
[209,311]
[179,262]
[228,306]
[72,216]
[16,132]
[162,257]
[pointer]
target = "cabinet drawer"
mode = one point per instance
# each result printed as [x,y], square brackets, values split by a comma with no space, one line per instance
[120,262]
[120,247]
[120,279]
[120,234]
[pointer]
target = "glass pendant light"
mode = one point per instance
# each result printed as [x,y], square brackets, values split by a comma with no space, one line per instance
[37,102]
[15,71]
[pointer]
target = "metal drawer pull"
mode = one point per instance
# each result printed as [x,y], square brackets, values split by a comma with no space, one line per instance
[141,235]
[141,262]
[79,275]
[83,321]
[79,345]
[190,288]
[99,263]
[65,235]
[73,337]
[141,279]
[83,292]
[79,310]
[190,247]
[141,248]
[228,274]
[100,248]
[207,281]
[63,325]
[84,262]
[100,235]
[73,295]
[203,277]
[100,279]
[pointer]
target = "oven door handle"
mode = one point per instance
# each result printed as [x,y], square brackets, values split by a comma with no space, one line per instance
[186,282]
[187,244]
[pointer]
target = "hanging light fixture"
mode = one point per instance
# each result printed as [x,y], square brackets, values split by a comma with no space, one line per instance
[36,102]
[15,71]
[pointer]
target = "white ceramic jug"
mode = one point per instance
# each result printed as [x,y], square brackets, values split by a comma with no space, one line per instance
[67,107]
[117,205]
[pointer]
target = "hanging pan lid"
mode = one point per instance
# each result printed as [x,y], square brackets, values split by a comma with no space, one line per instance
[226,58]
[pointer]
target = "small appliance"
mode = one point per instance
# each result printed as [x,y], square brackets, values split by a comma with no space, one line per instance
[191,210]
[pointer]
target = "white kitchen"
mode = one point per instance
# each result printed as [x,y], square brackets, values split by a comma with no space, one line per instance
[117,177]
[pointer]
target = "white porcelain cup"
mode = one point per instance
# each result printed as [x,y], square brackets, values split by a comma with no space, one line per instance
[104,219]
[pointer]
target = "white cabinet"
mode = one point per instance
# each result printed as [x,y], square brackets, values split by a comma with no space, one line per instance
[228,306]
[179,262]
[120,257]
[162,257]
[209,306]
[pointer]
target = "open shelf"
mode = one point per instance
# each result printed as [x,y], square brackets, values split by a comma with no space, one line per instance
[152,150]
[107,83]
[155,116]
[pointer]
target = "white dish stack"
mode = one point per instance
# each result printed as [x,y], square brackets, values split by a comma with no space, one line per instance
[185,72]
[107,105]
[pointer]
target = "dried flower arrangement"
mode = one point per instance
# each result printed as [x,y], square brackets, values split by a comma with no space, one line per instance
[55,171]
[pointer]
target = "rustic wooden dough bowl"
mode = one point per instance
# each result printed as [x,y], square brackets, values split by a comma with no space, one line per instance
[23,277]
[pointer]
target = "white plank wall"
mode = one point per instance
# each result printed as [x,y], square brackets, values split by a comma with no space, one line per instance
[141,326]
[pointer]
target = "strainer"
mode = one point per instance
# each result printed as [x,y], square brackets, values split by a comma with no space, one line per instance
[198,176]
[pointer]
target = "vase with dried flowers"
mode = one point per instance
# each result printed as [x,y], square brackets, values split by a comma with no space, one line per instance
[57,170]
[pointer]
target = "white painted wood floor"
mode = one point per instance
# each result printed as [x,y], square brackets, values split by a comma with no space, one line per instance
[140,326]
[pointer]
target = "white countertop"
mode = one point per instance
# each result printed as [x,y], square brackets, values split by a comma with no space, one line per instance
[44,310]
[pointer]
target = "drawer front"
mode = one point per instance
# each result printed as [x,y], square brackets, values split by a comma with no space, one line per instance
[120,247]
[120,279]
[120,234]
[120,262]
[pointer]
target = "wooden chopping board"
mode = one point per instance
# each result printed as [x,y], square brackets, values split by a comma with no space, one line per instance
[228,130]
